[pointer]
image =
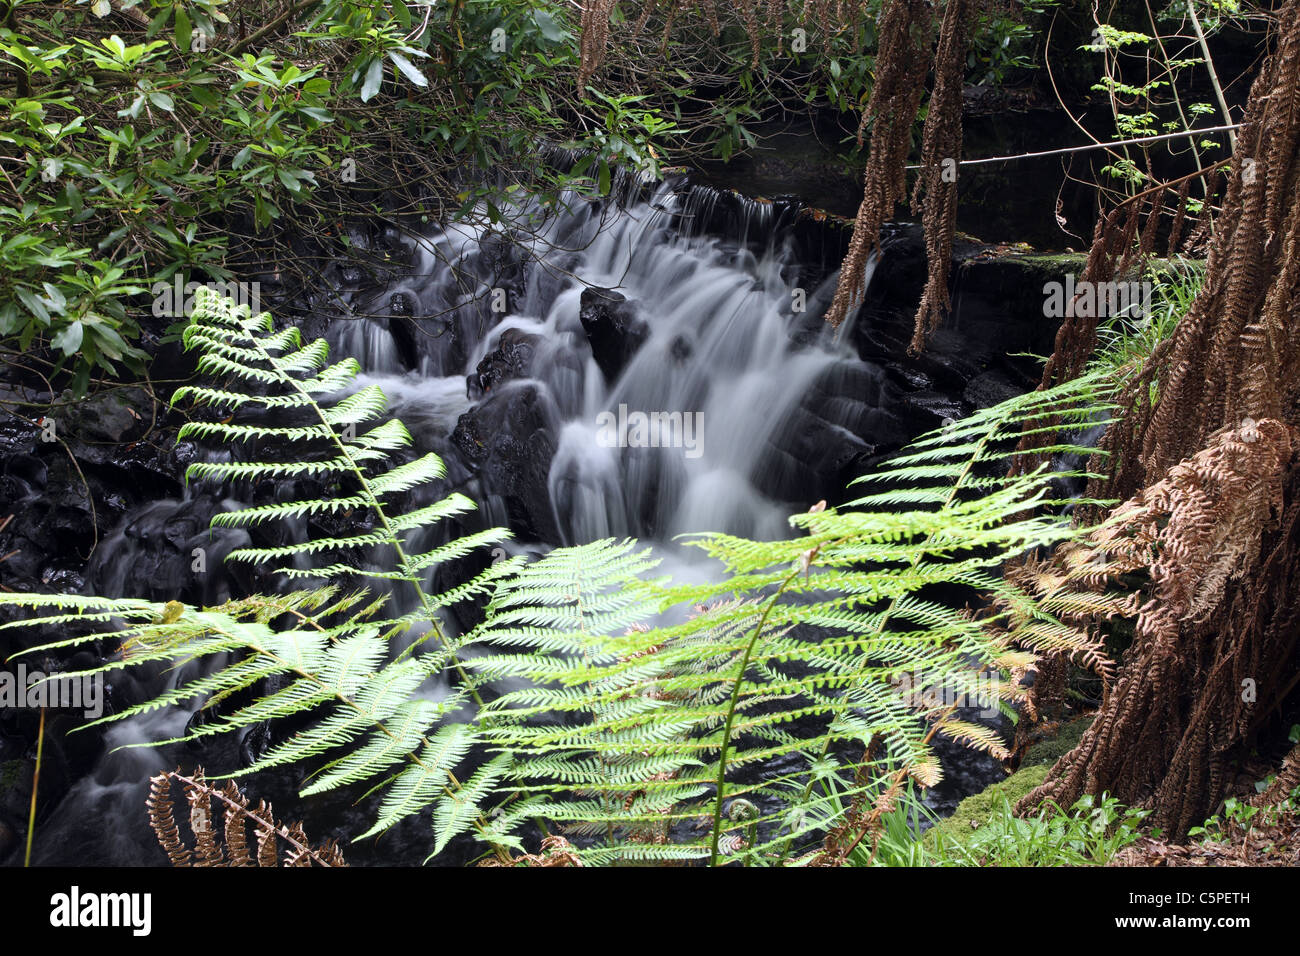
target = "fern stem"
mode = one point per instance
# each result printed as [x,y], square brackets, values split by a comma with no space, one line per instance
[875,813]
[731,714]
[983,443]
[36,781]
[242,809]
[382,515]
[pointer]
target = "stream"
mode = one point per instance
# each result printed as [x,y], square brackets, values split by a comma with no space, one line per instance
[644,368]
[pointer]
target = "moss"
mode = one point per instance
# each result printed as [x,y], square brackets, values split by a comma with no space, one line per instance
[1060,261]
[1053,748]
[976,810]
[1074,262]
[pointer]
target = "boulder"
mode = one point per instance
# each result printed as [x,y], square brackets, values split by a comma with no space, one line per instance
[508,441]
[510,360]
[852,414]
[152,553]
[613,328]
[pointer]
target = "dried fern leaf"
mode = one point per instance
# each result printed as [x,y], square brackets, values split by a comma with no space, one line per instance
[199,794]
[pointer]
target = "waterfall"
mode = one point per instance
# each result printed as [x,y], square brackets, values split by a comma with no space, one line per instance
[731,352]
[730,407]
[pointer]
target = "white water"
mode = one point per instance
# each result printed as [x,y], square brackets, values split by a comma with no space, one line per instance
[720,320]
[102,819]
[720,323]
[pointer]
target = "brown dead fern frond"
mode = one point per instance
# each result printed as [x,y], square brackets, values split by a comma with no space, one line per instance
[1236,354]
[1212,517]
[1216,540]
[227,845]
[163,821]
[1284,784]
[206,851]
[235,833]
[594,37]
[555,851]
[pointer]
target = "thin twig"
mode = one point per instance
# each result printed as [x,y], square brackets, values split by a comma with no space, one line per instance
[1209,66]
[1103,145]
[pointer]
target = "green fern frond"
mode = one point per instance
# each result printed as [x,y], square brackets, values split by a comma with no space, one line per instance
[733,719]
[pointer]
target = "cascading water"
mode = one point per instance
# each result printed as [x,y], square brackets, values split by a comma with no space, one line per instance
[715,384]
[718,367]
[648,376]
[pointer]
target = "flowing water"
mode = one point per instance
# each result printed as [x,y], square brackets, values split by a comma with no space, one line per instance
[735,410]
[719,364]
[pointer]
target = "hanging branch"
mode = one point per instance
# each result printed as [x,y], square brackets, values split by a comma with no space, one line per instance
[901,65]
[935,192]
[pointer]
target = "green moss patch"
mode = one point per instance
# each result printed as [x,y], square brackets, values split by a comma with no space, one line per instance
[977,809]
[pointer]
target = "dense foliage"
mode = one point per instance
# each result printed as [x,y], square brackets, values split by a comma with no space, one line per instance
[771,715]
[616,705]
[147,139]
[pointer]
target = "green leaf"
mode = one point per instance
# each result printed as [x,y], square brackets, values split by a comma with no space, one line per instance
[408,68]
[69,339]
[418,786]
[374,79]
[546,23]
[456,812]
[55,297]
[158,22]
[34,304]
[182,29]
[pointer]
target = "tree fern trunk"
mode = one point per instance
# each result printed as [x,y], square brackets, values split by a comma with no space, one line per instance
[1215,654]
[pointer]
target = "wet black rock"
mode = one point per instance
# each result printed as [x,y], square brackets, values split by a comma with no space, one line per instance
[613,328]
[989,389]
[850,416]
[681,349]
[50,527]
[65,758]
[15,799]
[23,475]
[171,362]
[809,458]
[996,322]
[255,743]
[501,266]
[399,304]
[401,312]
[109,453]
[508,441]
[8,838]
[510,360]
[95,427]
[165,551]
[406,336]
